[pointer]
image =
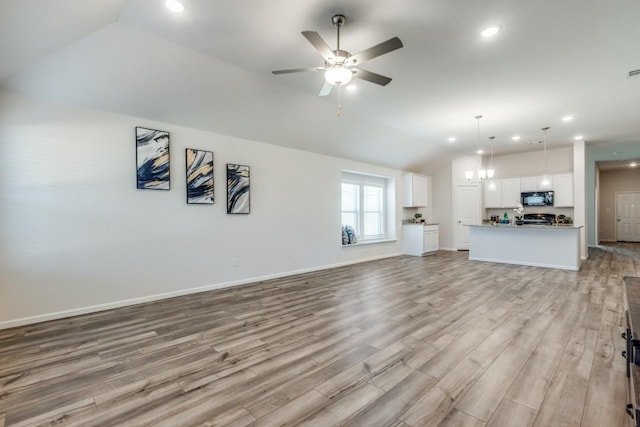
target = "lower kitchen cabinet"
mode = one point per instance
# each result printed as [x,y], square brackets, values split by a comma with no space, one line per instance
[420,239]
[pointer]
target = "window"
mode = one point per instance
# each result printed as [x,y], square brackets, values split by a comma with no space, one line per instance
[364,205]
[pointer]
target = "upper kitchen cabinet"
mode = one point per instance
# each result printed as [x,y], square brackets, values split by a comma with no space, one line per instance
[533,183]
[561,185]
[493,198]
[563,190]
[511,192]
[416,190]
[506,194]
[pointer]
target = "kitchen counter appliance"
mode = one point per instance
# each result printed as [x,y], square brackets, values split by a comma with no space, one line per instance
[538,198]
[539,218]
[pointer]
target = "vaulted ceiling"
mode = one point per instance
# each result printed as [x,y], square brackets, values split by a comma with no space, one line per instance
[209,68]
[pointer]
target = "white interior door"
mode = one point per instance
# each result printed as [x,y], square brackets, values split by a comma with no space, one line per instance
[467,212]
[628,217]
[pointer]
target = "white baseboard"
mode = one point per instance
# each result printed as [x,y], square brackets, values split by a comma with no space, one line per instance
[157,297]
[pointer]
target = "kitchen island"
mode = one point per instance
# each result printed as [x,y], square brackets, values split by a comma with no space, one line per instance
[551,246]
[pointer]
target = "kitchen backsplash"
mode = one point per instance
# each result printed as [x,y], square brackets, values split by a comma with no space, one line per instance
[529,209]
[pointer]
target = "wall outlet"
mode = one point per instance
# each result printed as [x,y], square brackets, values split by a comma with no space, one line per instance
[235,262]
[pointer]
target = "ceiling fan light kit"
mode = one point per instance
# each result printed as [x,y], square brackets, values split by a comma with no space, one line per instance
[340,65]
[338,75]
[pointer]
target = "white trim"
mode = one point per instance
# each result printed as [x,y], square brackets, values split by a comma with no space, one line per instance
[369,242]
[166,295]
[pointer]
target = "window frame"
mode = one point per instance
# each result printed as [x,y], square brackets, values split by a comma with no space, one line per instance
[362,180]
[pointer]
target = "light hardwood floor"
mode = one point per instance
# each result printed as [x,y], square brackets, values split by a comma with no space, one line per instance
[405,341]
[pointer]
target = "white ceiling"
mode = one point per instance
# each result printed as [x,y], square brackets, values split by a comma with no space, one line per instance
[210,68]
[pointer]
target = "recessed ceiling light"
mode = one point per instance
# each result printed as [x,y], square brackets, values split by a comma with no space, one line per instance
[452,139]
[578,137]
[515,137]
[174,5]
[480,151]
[567,118]
[490,31]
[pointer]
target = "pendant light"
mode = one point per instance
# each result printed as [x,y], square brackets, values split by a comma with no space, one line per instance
[481,172]
[491,171]
[546,182]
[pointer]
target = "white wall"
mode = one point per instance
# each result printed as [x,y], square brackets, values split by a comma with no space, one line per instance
[612,182]
[559,160]
[579,194]
[76,235]
[443,205]
[627,150]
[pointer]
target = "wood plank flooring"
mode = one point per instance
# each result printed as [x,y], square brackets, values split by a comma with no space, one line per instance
[405,341]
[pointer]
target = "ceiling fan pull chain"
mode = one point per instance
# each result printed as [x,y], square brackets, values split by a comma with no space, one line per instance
[339,101]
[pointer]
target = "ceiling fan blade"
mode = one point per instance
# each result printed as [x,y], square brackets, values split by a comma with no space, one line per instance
[326,89]
[298,70]
[370,77]
[317,42]
[375,51]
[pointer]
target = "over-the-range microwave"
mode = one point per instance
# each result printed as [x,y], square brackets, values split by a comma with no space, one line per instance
[537,198]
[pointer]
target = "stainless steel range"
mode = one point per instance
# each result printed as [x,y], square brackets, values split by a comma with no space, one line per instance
[539,218]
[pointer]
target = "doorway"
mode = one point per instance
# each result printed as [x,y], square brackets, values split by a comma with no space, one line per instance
[628,216]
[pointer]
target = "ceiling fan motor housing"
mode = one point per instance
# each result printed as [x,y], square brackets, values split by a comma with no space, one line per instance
[338,20]
[339,57]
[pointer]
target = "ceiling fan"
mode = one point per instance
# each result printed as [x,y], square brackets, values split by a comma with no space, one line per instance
[340,65]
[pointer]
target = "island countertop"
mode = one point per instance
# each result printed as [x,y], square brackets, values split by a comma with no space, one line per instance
[525,226]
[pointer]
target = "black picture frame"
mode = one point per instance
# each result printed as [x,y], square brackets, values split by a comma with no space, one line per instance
[238,189]
[153,171]
[199,177]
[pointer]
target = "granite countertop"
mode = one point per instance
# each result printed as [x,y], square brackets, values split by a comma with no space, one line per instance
[541,226]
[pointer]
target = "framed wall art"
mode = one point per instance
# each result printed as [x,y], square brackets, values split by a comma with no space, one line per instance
[152,159]
[237,189]
[199,177]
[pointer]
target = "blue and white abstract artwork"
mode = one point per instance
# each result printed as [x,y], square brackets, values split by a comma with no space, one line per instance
[152,159]
[199,177]
[237,189]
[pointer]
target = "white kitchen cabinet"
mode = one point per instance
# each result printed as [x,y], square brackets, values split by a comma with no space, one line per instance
[510,192]
[531,183]
[493,199]
[416,190]
[534,183]
[420,239]
[506,194]
[431,236]
[563,190]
